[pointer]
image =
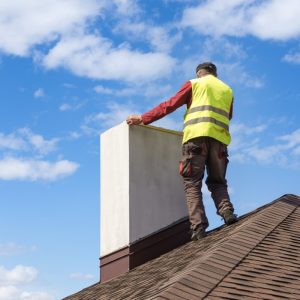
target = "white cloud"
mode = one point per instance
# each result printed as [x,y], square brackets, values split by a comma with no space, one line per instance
[292,58]
[104,61]
[41,21]
[100,89]
[126,7]
[273,19]
[81,276]
[18,275]
[65,107]
[169,123]
[38,142]
[161,39]
[64,28]
[235,73]
[11,141]
[116,114]
[74,135]
[39,93]
[13,249]
[229,50]
[243,137]
[232,55]
[11,292]
[151,90]
[28,169]
[14,166]
[68,106]
[35,296]
[250,143]
[25,140]
[292,139]
[237,128]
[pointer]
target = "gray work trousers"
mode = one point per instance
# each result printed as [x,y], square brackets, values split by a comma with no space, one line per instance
[197,154]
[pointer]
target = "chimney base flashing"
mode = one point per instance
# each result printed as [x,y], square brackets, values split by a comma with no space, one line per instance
[143,250]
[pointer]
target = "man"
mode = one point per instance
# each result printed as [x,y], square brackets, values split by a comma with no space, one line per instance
[205,139]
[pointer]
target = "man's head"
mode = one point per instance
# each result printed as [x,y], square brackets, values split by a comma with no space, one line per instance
[205,69]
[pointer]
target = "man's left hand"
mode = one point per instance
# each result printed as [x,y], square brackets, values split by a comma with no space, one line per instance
[134,120]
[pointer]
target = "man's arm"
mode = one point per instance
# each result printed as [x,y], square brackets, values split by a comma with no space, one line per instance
[183,96]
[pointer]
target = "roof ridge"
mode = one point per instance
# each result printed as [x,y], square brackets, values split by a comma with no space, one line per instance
[227,254]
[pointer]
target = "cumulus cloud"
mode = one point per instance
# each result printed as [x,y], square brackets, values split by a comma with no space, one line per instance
[11,280]
[38,142]
[244,78]
[41,22]
[13,293]
[161,39]
[63,27]
[11,141]
[116,113]
[151,90]
[18,275]
[25,140]
[249,143]
[22,157]
[291,140]
[9,292]
[104,61]
[292,58]
[245,17]
[233,56]
[12,168]
[126,7]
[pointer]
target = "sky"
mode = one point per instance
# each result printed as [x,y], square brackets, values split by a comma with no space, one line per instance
[71,69]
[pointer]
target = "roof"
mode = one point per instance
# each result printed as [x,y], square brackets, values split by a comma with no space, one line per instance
[256,258]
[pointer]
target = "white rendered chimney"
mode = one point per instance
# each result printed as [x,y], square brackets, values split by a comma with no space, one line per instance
[142,196]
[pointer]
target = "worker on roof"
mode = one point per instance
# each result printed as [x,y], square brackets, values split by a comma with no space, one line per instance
[205,139]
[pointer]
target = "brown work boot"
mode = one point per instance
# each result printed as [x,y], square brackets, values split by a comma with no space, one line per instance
[229,217]
[198,233]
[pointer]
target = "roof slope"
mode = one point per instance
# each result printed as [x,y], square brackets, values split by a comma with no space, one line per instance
[256,258]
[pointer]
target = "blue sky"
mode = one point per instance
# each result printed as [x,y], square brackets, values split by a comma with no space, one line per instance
[70,69]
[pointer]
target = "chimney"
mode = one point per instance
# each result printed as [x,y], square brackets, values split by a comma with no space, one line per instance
[143,207]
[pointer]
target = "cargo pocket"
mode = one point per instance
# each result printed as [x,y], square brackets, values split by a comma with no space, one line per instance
[185,167]
[223,152]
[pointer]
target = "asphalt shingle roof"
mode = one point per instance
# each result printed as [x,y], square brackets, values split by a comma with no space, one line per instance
[256,258]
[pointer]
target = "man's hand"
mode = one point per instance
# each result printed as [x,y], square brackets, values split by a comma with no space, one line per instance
[134,120]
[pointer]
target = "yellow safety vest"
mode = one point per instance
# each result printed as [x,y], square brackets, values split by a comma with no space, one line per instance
[208,114]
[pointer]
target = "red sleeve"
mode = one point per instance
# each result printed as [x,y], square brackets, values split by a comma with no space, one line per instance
[183,96]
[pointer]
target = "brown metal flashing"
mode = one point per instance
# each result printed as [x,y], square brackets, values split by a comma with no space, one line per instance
[114,264]
[143,250]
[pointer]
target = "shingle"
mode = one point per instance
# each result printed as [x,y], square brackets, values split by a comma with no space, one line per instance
[256,258]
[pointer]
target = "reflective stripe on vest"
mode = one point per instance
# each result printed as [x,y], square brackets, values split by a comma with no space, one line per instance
[207,119]
[209,107]
[208,114]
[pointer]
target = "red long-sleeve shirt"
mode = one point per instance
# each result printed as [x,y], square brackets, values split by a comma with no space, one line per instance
[183,96]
